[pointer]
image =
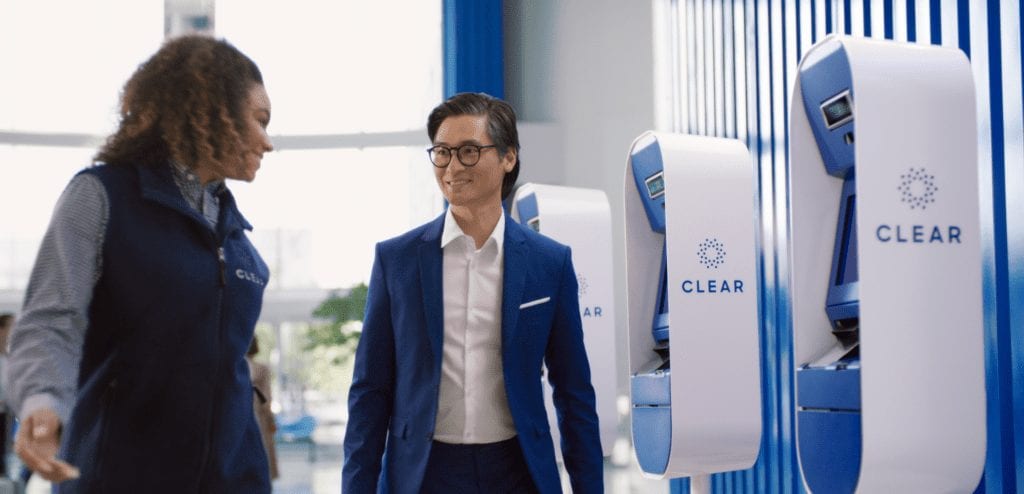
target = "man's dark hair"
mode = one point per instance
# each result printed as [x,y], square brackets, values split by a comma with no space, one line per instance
[6,319]
[501,125]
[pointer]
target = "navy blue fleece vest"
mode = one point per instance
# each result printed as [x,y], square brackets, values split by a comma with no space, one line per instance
[165,400]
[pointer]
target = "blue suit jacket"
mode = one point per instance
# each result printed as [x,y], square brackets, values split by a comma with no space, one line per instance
[394,393]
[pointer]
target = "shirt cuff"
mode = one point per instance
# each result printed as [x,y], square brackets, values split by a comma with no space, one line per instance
[40,401]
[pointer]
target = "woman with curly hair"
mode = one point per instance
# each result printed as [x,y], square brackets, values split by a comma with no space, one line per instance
[127,364]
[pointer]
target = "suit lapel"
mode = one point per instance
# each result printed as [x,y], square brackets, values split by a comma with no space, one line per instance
[431,283]
[514,281]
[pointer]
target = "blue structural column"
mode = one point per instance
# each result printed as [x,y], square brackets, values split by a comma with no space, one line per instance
[473,50]
[474,59]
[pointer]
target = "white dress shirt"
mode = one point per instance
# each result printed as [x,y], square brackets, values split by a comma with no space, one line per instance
[472,405]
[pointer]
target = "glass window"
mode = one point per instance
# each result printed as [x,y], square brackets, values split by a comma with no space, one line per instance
[33,178]
[343,66]
[64,62]
[317,214]
[66,71]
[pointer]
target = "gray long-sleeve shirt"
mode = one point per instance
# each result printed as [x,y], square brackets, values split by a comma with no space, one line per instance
[46,344]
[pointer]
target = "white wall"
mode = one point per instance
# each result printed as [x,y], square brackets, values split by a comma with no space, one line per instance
[580,74]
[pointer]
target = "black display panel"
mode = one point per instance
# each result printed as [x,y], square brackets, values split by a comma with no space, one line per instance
[656,185]
[837,111]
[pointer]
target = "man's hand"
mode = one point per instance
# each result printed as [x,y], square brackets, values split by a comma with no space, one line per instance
[36,444]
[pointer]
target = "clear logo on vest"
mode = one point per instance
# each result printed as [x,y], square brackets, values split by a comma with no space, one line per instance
[711,254]
[250,277]
[917,191]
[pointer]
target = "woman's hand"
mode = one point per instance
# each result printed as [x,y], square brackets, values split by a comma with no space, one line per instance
[37,442]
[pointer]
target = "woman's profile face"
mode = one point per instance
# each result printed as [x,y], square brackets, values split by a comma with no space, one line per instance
[255,141]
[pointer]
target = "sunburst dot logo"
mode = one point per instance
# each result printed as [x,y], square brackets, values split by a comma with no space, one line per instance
[711,253]
[917,188]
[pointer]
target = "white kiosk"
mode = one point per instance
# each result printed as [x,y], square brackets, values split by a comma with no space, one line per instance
[692,306]
[886,269]
[581,219]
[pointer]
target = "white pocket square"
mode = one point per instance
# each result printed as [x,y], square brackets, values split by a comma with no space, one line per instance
[535,302]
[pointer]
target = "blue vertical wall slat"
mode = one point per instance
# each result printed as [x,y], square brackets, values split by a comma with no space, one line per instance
[847,18]
[474,59]
[999,471]
[767,41]
[936,21]
[783,467]
[1017,275]
[767,65]
[763,133]
[786,65]
[867,18]
[828,16]
[746,65]
[963,13]
[754,144]
[796,27]
[774,158]
[887,13]
[967,24]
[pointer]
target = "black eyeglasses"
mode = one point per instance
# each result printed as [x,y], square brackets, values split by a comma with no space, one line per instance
[469,154]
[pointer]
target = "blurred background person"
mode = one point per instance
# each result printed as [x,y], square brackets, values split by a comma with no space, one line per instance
[261,404]
[129,354]
[6,323]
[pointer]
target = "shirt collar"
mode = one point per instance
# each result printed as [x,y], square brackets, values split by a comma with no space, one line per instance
[452,231]
[182,172]
[184,176]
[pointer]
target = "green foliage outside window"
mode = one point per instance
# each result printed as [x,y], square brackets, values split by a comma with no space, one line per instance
[339,312]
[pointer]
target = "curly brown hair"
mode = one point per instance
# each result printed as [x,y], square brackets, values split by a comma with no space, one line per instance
[184,104]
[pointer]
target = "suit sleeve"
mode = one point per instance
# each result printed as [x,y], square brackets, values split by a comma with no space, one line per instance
[371,396]
[573,395]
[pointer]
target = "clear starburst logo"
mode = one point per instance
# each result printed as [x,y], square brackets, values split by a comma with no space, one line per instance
[711,253]
[917,188]
[581,282]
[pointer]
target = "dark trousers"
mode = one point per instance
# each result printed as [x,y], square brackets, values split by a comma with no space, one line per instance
[477,468]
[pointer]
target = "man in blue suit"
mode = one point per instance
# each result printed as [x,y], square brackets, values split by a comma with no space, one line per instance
[462,313]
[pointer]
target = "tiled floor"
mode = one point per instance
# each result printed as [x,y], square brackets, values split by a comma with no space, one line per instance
[299,475]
